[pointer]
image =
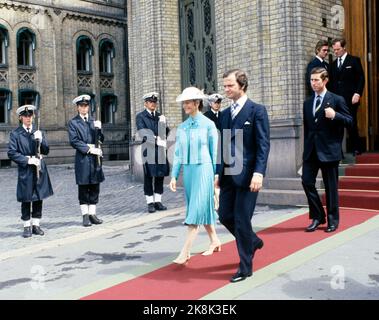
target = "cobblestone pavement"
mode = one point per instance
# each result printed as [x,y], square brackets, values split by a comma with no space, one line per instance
[121,198]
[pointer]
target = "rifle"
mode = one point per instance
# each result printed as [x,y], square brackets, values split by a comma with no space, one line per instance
[98,144]
[38,152]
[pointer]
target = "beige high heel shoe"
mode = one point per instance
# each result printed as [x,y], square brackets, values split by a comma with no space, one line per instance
[212,248]
[180,260]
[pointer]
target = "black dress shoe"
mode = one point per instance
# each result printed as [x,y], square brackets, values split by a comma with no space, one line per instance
[27,232]
[151,207]
[159,206]
[86,221]
[313,226]
[37,230]
[258,245]
[356,153]
[239,276]
[94,219]
[331,228]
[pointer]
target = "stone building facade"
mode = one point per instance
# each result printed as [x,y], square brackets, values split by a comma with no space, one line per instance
[54,50]
[153,45]
[273,41]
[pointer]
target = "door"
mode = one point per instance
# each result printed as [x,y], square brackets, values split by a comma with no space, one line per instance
[197,44]
[361,32]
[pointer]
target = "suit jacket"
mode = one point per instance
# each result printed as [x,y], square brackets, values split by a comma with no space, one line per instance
[196,143]
[149,127]
[251,154]
[315,63]
[210,115]
[323,134]
[349,80]
[22,144]
[81,133]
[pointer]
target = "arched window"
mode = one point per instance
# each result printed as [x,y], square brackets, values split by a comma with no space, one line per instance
[5,105]
[107,54]
[108,108]
[3,45]
[28,96]
[84,52]
[26,44]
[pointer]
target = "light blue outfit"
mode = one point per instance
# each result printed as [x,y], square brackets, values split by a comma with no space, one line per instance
[196,150]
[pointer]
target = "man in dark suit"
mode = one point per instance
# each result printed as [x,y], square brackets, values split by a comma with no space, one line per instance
[152,129]
[214,112]
[347,79]
[325,116]
[84,133]
[245,145]
[321,50]
[23,149]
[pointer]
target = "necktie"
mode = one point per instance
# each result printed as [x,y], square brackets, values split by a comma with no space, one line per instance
[339,62]
[85,119]
[233,110]
[28,129]
[152,113]
[317,105]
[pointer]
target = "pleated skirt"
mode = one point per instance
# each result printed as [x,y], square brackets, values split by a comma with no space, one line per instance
[198,182]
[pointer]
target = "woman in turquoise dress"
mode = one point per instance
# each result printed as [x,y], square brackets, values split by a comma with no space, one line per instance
[196,152]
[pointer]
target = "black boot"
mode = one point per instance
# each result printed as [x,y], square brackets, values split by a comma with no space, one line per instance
[27,232]
[159,206]
[86,221]
[37,230]
[151,207]
[94,219]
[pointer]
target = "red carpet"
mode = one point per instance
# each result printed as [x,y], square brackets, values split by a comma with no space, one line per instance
[202,275]
[363,170]
[359,183]
[372,158]
[360,187]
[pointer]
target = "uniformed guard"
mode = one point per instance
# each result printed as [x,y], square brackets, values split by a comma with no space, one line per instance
[84,132]
[26,147]
[153,130]
[214,112]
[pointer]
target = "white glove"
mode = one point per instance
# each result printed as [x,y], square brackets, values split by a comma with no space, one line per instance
[161,142]
[162,118]
[38,135]
[34,161]
[97,124]
[96,151]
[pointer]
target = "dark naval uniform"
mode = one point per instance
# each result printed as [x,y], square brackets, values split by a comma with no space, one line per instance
[88,171]
[153,130]
[30,190]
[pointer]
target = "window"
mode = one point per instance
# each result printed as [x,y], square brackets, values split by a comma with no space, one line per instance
[3,45]
[107,53]
[5,104]
[26,96]
[26,45]
[108,108]
[84,52]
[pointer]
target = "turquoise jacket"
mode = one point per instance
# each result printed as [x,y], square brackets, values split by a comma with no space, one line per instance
[196,143]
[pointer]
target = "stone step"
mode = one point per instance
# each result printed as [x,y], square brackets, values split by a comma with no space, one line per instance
[288,183]
[282,197]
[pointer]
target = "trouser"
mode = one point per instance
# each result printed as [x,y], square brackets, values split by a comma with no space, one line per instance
[353,130]
[150,188]
[235,212]
[89,193]
[31,209]
[329,172]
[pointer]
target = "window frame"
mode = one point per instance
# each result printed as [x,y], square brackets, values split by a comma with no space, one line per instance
[27,62]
